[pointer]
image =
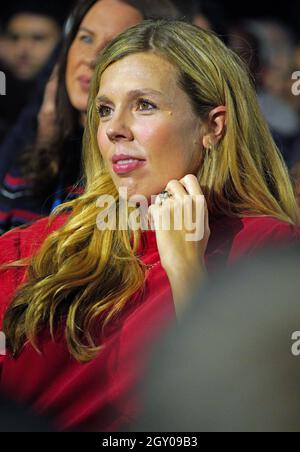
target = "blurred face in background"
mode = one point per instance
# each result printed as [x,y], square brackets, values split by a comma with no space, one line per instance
[201,21]
[5,53]
[32,38]
[104,21]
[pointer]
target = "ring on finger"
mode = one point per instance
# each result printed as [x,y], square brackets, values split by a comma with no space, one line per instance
[163,196]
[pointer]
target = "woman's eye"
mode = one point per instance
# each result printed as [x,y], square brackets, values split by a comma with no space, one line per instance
[145,105]
[86,39]
[104,111]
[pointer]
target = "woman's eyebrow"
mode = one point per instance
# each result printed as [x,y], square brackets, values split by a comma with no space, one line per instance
[87,30]
[130,95]
[102,100]
[143,92]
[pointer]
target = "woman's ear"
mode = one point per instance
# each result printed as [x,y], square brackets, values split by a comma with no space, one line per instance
[216,127]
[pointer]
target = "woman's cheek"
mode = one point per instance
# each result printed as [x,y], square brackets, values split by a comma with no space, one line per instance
[72,60]
[102,142]
[155,134]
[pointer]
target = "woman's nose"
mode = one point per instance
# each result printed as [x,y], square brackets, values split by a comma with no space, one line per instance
[90,59]
[119,129]
[93,53]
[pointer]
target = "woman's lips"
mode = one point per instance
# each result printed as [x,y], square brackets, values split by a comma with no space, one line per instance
[85,83]
[126,166]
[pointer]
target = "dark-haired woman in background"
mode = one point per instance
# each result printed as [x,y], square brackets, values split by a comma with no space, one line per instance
[47,173]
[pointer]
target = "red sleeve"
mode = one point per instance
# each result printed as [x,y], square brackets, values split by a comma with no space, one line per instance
[9,279]
[260,233]
[9,251]
[19,244]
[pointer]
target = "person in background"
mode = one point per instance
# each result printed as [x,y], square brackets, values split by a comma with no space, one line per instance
[16,418]
[276,46]
[294,160]
[82,299]
[206,14]
[247,46]
[32,31]
[233,365]
[22,133]
[5,53]
[4,60]
[47,171]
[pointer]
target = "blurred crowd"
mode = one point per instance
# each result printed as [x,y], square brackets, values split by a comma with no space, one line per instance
[42,118]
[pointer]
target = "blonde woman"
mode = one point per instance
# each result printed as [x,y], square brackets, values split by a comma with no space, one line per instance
[172,117]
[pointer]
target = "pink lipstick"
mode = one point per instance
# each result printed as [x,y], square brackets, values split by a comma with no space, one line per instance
[85,83]
[123,164]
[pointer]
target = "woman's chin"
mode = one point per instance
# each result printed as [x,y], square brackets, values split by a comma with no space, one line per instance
[134,194]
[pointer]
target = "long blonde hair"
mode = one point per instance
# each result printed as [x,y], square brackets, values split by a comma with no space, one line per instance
[81,274]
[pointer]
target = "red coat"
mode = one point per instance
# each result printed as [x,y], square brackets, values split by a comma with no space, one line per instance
[101,395]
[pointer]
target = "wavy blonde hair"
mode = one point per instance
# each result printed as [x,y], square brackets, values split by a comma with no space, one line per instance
[81,275]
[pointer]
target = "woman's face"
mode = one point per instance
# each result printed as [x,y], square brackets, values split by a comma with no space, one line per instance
[105,20]
[148,132]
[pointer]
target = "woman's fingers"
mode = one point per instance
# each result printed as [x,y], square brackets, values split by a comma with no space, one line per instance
[50,93]
[176,189]
[54,72]
[188,185]
[153,216]
[191,185]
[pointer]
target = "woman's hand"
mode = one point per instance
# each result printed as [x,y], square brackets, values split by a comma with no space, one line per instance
[47,125]
[182,233]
